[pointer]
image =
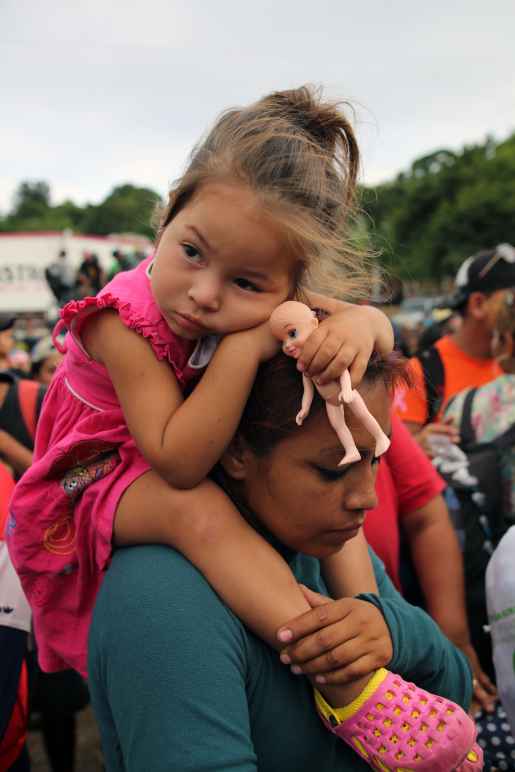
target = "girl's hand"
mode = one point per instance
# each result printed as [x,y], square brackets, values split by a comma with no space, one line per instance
[344,341]
[337,641]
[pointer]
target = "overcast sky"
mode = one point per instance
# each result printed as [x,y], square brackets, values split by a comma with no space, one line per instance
[95,93]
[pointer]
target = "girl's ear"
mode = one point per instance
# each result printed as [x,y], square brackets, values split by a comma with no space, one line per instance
[234,460]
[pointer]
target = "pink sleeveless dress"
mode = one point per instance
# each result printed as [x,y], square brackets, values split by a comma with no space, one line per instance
[61,516]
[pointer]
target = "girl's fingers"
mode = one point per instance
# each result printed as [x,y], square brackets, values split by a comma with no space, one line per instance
[316,619]
[311,347]
[336,366]
[358,368]
[323,357]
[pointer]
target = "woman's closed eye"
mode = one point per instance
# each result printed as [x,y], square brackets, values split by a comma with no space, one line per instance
[332,475]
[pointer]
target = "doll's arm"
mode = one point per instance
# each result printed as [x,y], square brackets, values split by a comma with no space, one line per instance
[307,399]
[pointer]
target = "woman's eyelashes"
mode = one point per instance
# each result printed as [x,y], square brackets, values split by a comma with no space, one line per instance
[332,475]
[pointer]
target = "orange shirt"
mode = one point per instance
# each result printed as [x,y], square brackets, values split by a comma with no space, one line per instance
[461,372]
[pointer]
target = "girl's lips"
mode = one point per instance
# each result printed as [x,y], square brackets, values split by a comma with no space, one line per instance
[189,324]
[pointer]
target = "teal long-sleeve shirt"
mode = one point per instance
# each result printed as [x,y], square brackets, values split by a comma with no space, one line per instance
[179,683]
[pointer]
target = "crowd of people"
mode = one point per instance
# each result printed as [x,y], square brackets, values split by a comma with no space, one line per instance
[185,548]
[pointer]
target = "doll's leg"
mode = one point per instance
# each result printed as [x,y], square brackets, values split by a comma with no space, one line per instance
[345,394]
[360,410]
[337,420]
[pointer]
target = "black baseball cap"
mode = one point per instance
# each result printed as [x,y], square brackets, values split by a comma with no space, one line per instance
[6,322]
[486,271]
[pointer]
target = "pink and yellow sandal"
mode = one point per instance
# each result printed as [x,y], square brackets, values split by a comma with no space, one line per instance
[398,727]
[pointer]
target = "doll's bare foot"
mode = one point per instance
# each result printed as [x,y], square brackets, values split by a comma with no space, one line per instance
[299,418]
[350,457]
[382,445]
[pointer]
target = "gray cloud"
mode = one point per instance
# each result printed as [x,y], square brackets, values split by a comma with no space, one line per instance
[96,94]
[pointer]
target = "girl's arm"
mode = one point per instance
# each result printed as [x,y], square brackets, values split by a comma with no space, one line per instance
[349,572]
[181,439]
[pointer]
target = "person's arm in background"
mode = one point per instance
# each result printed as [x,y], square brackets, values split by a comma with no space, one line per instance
[434,547]
[16,455]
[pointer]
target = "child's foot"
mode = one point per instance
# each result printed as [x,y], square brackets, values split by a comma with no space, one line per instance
[394,725]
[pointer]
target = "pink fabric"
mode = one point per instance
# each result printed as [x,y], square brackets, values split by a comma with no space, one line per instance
[406,480]
[62,511]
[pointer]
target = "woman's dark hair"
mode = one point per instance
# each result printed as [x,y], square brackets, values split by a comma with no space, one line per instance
[275,399]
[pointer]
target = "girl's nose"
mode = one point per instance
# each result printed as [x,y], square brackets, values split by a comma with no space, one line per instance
[205,292]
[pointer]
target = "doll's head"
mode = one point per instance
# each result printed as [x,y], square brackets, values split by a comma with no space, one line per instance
[292,323]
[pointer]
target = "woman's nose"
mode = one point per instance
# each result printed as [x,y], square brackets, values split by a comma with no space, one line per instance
[205,292]
[360,488]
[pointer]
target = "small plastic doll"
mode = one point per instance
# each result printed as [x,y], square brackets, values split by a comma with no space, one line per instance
[292,323]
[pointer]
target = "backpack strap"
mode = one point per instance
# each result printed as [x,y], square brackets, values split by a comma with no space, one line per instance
[467,434]
[434,380]
[30,399]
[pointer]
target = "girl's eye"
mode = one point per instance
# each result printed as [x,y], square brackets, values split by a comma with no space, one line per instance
[192,253]
[247,285]
[292,333]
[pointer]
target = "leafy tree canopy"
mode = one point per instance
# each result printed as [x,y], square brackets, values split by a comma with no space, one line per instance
[445,207]
[127,208]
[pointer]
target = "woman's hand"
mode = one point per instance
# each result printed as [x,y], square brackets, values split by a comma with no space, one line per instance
[337,641]
[345,341]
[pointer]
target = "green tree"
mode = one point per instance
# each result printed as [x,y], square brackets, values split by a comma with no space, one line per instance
[126,209]
[445,207]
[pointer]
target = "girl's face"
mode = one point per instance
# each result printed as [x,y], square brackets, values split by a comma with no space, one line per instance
[222,264]
[298,491]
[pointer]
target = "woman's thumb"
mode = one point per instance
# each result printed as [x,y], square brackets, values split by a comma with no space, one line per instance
[314,598]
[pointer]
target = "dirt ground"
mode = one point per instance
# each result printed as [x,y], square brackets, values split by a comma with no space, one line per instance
[89,756]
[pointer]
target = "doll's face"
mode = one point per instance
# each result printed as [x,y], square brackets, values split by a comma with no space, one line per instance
[296,334]
[292,323]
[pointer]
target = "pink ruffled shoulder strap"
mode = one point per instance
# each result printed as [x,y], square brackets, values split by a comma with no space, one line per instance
[130,294]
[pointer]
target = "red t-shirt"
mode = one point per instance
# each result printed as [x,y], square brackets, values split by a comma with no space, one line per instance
[406,480]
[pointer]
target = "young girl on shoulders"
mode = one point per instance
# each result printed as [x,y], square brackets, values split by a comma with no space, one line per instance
[129,431]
